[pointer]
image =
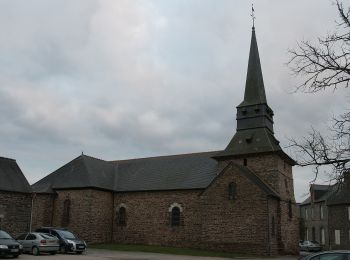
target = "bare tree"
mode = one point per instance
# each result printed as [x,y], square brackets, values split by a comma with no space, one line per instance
[324,65]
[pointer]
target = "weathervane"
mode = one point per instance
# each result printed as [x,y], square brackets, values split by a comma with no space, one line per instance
[253,16]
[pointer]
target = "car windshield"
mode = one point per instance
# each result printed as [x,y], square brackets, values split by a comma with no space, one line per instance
[4,235]
[47,236]
[66,234]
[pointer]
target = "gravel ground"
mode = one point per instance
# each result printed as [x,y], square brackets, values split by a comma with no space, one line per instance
[97,254]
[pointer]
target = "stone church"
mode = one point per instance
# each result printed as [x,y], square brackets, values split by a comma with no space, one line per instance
[239,199]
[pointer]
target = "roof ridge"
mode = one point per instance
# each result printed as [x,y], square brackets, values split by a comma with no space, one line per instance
[162,156]
[6,158]
[92,157]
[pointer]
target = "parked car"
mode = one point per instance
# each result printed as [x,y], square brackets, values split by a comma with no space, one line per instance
[9,246]
[310,246]
[36,243]
[329,255]
[67,240]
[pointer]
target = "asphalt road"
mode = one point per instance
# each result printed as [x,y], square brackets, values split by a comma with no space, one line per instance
[96,254]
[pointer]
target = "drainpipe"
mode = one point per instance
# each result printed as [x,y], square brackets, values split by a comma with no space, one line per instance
[31,212]
[112,233]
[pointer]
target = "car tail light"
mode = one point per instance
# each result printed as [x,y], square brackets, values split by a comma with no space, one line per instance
[43,241]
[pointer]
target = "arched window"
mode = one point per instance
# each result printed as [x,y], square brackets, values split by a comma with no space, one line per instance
[122,216]
[66,212]
[232,191]
[175,216]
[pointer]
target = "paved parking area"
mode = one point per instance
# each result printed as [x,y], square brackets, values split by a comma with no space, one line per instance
[94,254]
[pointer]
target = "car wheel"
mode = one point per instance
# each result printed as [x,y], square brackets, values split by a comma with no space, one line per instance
[53,253]
[15,256]
[35,251]
[79,252]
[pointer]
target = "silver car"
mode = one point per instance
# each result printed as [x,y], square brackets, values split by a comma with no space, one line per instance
[329,255]
[36,243]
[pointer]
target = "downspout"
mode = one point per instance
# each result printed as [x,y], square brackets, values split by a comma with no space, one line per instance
[31,212]
[329,235]
[54,196]
[112,233]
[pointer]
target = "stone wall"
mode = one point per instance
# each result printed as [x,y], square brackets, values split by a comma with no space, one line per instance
[90,214]
[148,218]
[289,228]
[277,173]
[43,206]
[15,209]
[339,220]
[239,224]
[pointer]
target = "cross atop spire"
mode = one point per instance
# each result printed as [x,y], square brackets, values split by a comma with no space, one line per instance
[252,15]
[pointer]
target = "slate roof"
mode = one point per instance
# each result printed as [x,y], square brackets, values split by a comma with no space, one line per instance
[322,193]
[174,172]
[84,171]
[185,171]
[340,195]
[260,140]
[254,87]
[11,177]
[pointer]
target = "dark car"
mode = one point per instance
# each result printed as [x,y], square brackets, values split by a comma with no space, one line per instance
[310,246]
[329,255]
[67,240]
[9,246]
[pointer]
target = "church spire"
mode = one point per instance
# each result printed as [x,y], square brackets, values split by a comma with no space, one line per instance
[254,116]
[254,86]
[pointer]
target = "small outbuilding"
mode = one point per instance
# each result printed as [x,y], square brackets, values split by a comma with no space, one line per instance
[15,198]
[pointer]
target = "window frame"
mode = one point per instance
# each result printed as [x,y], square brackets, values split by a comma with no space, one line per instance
[175,220]
[122,216]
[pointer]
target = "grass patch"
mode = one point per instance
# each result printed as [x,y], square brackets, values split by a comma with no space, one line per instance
[166,250]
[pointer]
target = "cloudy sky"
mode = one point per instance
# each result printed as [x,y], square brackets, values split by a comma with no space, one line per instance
[125,79]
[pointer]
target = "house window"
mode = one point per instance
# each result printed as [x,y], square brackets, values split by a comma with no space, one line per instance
[313,234]
[321,212]
[322,236]
[312,212]
[306,214]
[349,212]
[306,234]
[232,190]
[66,212]
[337,236]
[245,162]
[175,217]
[122,216]
[273,227]
[290,209]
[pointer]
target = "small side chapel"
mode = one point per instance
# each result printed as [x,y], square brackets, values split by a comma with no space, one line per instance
[240,199]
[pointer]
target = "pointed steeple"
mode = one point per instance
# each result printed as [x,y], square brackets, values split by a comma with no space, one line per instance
[254,116]
[254,86]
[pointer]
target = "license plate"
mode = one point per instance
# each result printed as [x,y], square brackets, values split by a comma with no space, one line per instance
[14,250]
[80,246]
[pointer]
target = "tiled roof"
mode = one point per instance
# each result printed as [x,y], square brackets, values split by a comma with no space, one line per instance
[175,172]
[340,195]
[11,177]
